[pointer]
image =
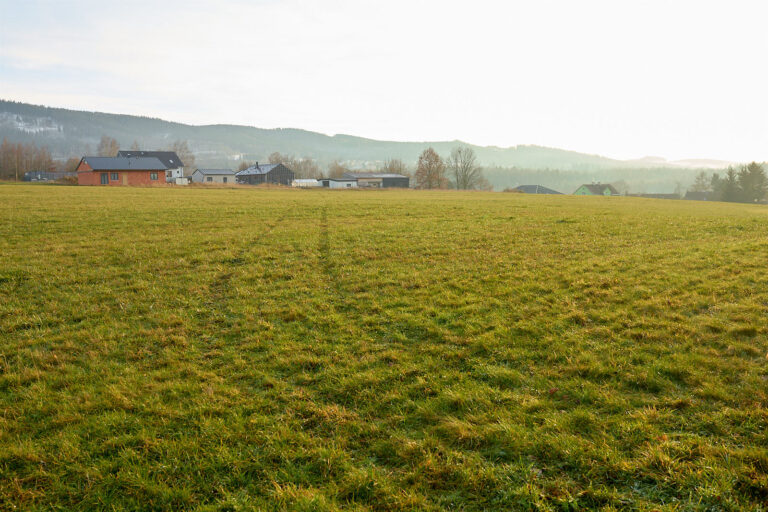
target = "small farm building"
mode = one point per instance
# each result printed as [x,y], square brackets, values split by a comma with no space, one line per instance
[596,189]
[174,167]
[112,171]
[220,176]
[378,180]
[277,174]
[338,183]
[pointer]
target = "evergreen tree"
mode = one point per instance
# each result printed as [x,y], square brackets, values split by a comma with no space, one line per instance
[752,183]
[730,190]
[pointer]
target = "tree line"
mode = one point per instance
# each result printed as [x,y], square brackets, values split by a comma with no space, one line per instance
[459,170]
[16,159]
[748,184]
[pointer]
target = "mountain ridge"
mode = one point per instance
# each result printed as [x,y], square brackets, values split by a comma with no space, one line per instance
[71,133]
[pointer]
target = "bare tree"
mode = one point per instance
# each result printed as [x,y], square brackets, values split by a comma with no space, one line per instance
[108,146]
[181,148]
[135,146]
[395,166]
[302,167]
[336,170]
[463,168]
[430,171]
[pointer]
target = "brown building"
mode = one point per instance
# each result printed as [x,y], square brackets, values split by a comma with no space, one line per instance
[116,171]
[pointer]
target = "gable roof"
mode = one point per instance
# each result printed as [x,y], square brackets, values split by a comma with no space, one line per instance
[536,189]
[599,188]
[357,175]
[215,172]
[169,158]
[116,163]
[257,169]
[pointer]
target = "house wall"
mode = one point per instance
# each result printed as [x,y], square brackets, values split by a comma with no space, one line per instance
[582,191]
[199,177]
[172,174]
[396,182]
[342,184]
[124,178]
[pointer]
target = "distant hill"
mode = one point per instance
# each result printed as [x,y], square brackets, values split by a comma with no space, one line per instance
[73,133]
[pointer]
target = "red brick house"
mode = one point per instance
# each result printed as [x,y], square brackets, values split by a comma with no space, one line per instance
[115,171]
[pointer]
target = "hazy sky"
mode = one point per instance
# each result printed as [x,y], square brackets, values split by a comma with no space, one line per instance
[674,78]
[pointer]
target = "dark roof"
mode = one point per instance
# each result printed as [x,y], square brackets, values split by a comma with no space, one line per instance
[697,196]
[169,158]
[599,188]
[109,163]
[257,169]
[356,175]
[657,196]
[535,189]
[217,172]
[337,179]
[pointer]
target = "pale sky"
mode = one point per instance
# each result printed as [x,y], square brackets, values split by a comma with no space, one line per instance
[621,78]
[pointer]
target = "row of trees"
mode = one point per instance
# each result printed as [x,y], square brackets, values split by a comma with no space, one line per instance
[16,159]
[748,184]
[460,171]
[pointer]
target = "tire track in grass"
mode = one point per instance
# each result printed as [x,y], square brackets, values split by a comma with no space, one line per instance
[217,309]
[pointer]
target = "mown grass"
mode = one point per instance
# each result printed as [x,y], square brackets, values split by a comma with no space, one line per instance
[171,349]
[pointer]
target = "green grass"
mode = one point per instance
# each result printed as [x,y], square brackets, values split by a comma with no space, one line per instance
[238,349]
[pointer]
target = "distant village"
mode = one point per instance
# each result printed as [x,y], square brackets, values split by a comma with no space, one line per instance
[142,168]
[147,168]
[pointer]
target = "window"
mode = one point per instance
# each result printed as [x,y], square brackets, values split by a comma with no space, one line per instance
[349,185]
[153,176]
[225,179]
[104,179]
[209,178]
[114,176]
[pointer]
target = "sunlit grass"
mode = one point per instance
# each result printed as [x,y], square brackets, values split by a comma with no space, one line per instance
[264,349]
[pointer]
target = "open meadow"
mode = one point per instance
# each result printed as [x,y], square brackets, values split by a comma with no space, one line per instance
[243,348]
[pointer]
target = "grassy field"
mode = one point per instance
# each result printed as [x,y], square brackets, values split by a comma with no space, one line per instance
[238,349]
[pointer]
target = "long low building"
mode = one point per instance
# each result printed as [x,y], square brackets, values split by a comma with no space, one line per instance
[115,171]
[378,179]
[338,182]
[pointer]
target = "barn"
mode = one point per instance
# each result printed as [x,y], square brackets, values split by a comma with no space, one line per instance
[277,174]
[115,171]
